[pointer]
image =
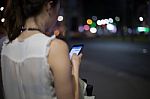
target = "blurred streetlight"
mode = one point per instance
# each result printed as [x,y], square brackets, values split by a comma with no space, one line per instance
[60,18]
[93,30]
[99,22]
[86,27]
[81,28]
[93,24]
[143,29]
[141,19]
[111,28]
[94,18]
[117,18]
[2,8]
[89,21]
[3,20]
[145,51]
[111,20]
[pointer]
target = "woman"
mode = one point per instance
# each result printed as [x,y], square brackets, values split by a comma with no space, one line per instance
[35,66]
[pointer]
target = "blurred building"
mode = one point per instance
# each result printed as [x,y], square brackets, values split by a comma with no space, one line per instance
[73,13]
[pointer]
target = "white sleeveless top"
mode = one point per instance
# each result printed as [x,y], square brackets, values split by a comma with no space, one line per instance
[25,71]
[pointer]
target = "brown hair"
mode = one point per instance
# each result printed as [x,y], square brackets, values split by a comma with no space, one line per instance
[17,11]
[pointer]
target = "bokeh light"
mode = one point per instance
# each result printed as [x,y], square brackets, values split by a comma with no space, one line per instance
[112,28]
[93,30]
[111,20]
[60,18]
[3,20]
[117,18]
[86,27]
[93,24]
[2,8]
[143,29]
[94,18]
[103,21]
[106,21]
[99,22]
[89,21]
[141,19]
[81,29]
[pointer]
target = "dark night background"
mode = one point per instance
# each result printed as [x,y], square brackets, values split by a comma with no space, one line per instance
[127,10]
[117,64]
[105,8]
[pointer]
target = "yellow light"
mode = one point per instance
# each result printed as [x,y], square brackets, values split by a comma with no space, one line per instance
[89,21]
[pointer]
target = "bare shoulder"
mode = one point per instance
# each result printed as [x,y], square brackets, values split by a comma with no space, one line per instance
[59,42]
[58,47]
[58,53]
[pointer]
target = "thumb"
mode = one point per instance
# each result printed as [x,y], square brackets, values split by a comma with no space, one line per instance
[80,55]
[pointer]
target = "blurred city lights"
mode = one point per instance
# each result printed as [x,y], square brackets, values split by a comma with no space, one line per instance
[111,20]
[2,8]
[60,18]
[89,21]
[117,18]
[145,51]
[112,28]
[106,21]
[86,27]
[93,24]
[143,29]
[99,22]
[103,21]
[93,30]
[141,19]
[94,18]
[3,20]
[129,30]
[81,29]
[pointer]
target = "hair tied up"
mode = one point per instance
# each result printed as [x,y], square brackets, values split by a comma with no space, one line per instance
[17,11]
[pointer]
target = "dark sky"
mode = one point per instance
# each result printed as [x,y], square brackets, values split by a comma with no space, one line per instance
[100,8]
[109,8]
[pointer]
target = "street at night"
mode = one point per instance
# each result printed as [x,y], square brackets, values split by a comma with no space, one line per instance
[117,69]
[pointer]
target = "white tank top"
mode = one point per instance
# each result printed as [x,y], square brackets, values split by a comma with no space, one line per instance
[25,71]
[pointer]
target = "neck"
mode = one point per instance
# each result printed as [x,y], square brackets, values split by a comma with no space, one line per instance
[36,23]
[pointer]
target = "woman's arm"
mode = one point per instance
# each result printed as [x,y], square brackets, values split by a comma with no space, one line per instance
[76,60]
[65,82]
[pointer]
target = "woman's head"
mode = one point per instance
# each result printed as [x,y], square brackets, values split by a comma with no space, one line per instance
[18,11]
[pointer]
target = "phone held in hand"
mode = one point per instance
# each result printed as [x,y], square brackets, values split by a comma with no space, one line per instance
[77,49]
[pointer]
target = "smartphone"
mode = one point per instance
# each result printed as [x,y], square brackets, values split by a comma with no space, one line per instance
[77,49]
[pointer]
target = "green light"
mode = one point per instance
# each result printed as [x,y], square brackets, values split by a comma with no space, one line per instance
[147,30]
[93,24]
[143,29]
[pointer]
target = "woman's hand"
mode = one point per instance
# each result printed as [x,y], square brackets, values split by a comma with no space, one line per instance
[76,60]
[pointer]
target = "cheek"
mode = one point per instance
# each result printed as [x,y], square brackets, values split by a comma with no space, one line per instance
[54,17]
[52,20]
[51,25]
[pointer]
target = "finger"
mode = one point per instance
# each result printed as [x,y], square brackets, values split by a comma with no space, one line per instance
[80,55]
[74,54]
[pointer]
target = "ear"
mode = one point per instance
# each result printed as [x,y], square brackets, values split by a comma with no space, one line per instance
[49,6]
